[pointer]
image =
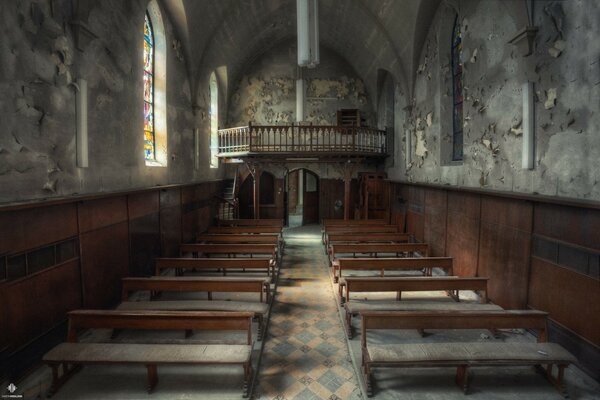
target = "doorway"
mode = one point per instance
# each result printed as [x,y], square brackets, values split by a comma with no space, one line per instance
[302,197]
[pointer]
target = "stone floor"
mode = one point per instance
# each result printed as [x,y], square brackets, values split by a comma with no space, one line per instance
[306,354]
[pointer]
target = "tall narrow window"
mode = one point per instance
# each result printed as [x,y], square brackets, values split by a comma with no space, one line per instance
[457,93]
[214,121]
[149,136]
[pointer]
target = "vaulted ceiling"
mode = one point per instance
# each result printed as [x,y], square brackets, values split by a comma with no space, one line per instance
[369,34]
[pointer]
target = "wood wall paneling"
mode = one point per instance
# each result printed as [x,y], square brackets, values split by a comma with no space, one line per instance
[97,214]
[331,190]
[104,261]
[170,221]
[415,221]
[504,258]
[569,224]
[34,305]
[462,235]
[434,226]
[21,230]
[572,299]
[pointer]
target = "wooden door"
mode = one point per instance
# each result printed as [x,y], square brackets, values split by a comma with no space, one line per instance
[311,198]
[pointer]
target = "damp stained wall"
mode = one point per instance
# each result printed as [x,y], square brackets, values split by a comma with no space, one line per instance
[38,61]
[565,68]
[266,93]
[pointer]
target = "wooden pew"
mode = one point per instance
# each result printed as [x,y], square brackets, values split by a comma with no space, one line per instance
[461,355]
[360,229]
[157,285]
[72,355]
[370,238]
[243,229]
[450,284]
[214,264]
[394,264]
[265,238]
[198,249]
[372,249]
[251,222]
[349,222]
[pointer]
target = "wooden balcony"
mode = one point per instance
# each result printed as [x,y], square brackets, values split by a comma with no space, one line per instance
[301,142]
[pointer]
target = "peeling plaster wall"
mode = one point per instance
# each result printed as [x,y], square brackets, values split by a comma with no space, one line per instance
[38,60]
[266,94]
[565,68]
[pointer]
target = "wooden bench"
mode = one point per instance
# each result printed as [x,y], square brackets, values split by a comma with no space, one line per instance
[359,229]
[265,238]
[373,249]
[394,264]
[452,285]
[251,222]
[73,355]
[370,238]
[461,355]
[350,222]
[157,285]
[243,229]
[208,264]
[246,249]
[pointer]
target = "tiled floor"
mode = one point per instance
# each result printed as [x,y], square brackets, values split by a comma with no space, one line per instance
[305,355]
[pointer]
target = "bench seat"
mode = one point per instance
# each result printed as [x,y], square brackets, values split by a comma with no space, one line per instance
[355,307]
[453,354]
[258,309]
[134,353]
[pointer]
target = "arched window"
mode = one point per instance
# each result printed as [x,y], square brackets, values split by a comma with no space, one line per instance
[149,140]
[457,93]
[214,120]
[155,85]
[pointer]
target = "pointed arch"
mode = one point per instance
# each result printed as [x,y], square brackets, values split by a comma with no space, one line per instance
[213,87]
[155,87]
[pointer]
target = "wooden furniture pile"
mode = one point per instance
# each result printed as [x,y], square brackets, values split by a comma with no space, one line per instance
[221,283]
[365,256]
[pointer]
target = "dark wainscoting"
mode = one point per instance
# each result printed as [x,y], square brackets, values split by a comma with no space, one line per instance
[539,252]
[65,254]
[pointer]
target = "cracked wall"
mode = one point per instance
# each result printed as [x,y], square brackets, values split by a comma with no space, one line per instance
[565,68]
[38,61]
[266,93]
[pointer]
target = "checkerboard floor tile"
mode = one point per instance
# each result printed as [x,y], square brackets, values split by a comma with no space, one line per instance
[305,355]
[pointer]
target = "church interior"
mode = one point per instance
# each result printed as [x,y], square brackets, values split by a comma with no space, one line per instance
[300,199]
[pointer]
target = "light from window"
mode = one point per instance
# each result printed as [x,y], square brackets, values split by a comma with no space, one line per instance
[214,121]
[457,93]
[149,137]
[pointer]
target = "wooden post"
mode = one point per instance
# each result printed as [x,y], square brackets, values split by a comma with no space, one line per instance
[347,180]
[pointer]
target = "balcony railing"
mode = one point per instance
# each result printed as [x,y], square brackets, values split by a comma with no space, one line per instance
[288,139]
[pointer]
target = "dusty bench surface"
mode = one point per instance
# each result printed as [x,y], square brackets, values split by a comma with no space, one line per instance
[391,264]
[221,248]
[72,355]
[243,229]
[453,284]
[225,264]
[195,305]
[134,353]
[461,355]
[370,238]
[331,222]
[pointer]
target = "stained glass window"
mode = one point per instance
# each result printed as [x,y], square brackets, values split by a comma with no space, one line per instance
[457,93]
[149,137]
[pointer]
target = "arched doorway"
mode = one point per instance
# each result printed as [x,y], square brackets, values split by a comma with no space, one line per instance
[266,196]
[302,197]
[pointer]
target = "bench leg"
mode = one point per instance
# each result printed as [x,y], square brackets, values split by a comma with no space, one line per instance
[557,381]
[349,324]
[462,377]
[59,380]
[367,377]
[152,377]
[247,379]
[261,327]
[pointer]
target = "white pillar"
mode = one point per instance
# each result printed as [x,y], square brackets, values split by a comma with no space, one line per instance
[300,95]
[528,126]
[81,100]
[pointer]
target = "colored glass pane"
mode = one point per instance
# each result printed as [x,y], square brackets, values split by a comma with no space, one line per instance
[149,138]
